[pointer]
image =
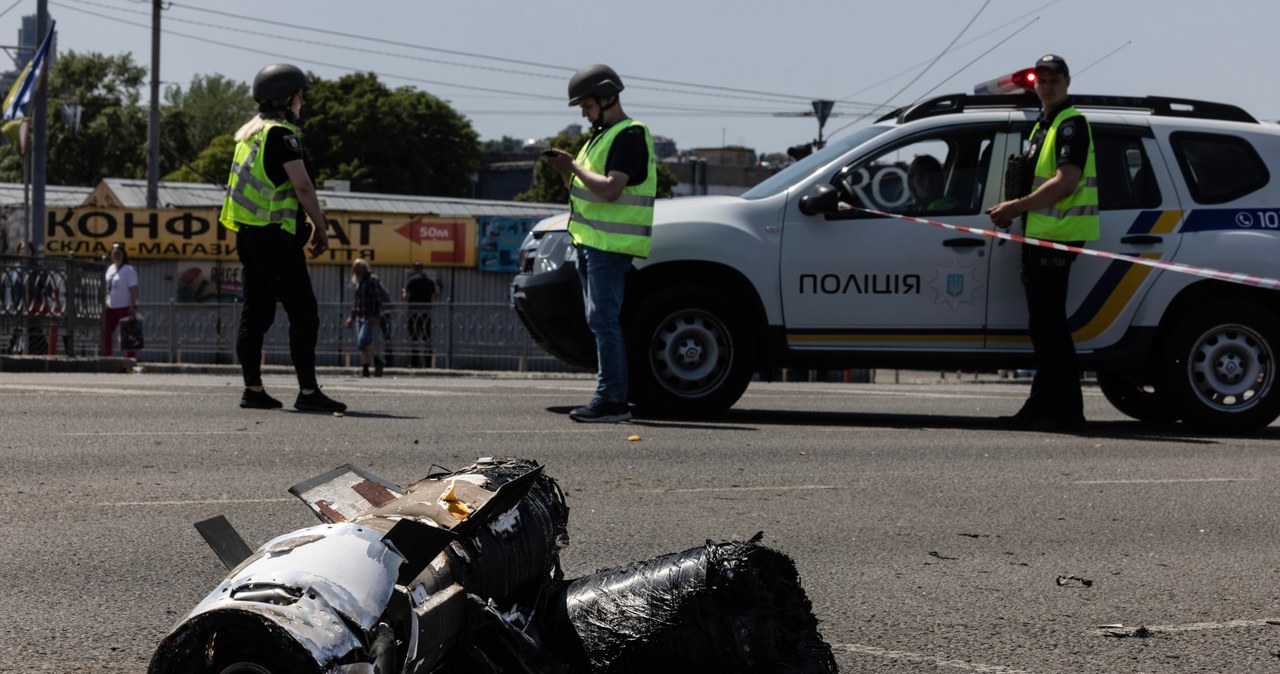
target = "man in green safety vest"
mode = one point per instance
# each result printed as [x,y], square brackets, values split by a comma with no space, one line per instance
[612,183]
[268,192]
[1062,206]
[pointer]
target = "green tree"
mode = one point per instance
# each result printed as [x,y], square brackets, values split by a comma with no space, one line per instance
[505,144]
[210,165]
[666,182]
[111,139]
[400,141]
[549,188]
[212,106]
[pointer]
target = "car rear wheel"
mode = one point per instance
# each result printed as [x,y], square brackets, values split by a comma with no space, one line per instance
[1220,367]
[691,352]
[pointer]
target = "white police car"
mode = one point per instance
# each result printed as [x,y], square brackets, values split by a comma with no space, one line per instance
[788,276]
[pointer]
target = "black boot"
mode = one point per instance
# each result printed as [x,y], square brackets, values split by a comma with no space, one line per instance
[364,370]
[377,366]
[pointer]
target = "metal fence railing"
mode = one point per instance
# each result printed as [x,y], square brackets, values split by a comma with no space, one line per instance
[53,306]
[50,306]
[479,336]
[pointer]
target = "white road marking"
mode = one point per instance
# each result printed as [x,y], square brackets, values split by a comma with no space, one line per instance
[863,429]
[693,490]
[45,388]
[524,431]
[401,391]
[1171,480]
[102,433]
[126,504]
[1195,627]
[929,659]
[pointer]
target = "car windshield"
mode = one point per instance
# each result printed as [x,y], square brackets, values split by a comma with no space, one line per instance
[793,173]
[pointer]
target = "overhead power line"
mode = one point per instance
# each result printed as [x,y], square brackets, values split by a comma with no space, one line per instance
[926,69]
[693,89]
[381,47]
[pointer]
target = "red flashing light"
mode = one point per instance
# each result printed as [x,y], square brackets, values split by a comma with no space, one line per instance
[1013,83]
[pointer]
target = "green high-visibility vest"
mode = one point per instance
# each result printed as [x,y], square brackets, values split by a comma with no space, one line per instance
[1075,217]
[625,224]
[252,199]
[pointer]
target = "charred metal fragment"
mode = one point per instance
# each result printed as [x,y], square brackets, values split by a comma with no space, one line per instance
[333,599]
[460,573]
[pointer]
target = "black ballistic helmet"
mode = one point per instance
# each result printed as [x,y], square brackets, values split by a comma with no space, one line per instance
[279,80]
[598,81]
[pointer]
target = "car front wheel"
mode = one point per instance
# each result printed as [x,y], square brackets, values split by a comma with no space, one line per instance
[691,352]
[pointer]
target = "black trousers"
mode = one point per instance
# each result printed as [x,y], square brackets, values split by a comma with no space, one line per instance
[1055,391]
[275,270]
[419,334]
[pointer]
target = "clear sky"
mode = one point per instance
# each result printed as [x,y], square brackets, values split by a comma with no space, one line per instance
[702,72]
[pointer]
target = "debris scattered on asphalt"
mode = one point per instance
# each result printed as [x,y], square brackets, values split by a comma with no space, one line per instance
[460,572]
[1140,633]
[1066,580]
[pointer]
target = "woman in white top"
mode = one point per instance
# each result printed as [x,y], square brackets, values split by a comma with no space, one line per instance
[122,296]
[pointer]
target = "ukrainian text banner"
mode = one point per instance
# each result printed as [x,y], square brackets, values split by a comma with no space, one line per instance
[195,234]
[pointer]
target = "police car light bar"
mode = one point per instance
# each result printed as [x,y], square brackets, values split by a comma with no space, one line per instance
[1013,83]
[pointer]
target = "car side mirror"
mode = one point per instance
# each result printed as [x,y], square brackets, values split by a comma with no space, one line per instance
[820,199]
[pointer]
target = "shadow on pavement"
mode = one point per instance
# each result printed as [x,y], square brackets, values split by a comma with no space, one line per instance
[1128,429]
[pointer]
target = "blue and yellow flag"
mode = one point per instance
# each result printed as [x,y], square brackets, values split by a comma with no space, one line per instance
[15,104]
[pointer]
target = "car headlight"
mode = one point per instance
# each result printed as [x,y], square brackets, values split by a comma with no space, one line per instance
[547,253]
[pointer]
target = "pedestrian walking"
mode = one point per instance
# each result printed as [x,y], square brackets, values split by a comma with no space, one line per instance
[368,299]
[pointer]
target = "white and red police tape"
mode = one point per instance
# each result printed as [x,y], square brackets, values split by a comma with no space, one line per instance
[1205,272]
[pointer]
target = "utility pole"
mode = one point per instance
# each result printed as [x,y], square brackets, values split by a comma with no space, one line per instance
[40,131]
[153,123]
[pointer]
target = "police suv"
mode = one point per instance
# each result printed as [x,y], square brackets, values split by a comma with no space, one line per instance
[794,273]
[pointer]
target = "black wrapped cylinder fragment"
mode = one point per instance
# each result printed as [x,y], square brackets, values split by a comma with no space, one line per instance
[728,607]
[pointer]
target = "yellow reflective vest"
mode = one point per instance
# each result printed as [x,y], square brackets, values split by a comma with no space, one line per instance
[1075,217]
[252,199]
[625,224]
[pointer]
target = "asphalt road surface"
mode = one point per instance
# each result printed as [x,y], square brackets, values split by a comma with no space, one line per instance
[927,539]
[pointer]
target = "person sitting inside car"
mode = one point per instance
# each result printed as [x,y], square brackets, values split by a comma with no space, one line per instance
[924,178]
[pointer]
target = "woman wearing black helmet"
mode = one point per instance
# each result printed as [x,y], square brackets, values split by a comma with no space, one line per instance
[269,195]
[612,183]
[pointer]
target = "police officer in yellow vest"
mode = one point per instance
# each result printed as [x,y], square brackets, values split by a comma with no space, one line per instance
[1062,207]
[612,183]
[268,194]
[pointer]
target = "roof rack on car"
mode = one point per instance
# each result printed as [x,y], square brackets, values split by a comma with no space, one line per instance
[1156,105]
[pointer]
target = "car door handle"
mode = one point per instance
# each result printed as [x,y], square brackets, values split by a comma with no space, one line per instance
[1148,239]
[965,242]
